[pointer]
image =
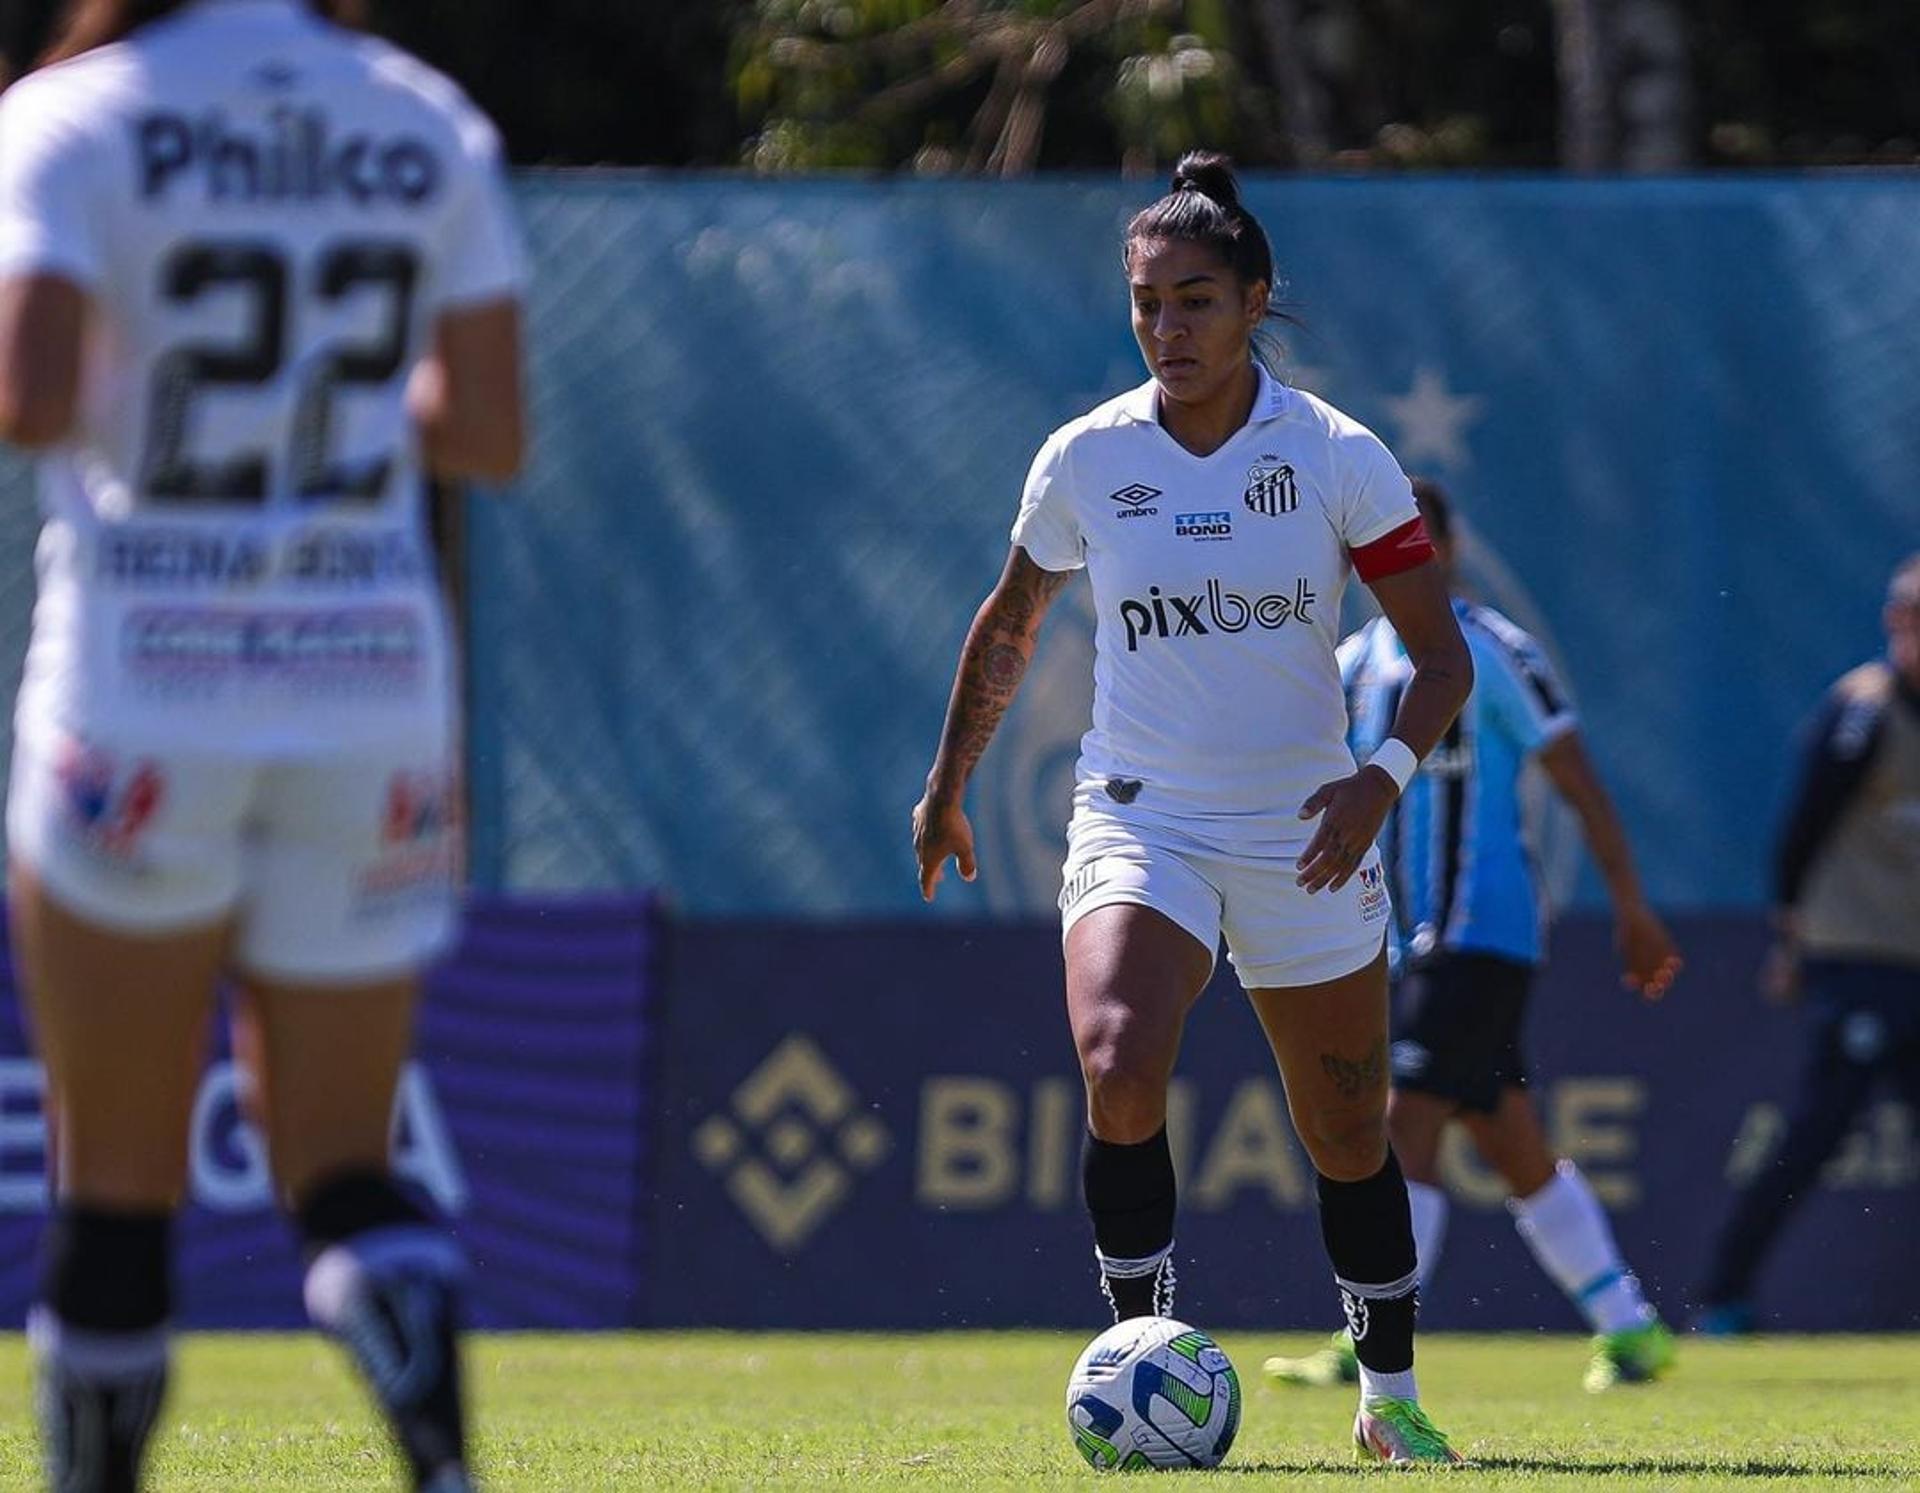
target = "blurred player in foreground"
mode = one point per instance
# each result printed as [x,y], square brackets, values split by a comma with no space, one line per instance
[1473,925]
[1847,937]
[254,269]
[1218,514]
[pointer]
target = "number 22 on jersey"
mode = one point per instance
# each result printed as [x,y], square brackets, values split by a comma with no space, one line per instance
[275,291]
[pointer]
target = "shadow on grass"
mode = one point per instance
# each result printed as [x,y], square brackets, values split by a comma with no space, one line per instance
[1686,1466]
[1636,1467]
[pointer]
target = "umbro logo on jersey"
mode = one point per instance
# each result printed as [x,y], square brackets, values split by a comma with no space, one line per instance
[1168,615]
[1271,489]
[1133,500]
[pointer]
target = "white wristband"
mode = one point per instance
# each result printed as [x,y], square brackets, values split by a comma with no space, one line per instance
[1395,758]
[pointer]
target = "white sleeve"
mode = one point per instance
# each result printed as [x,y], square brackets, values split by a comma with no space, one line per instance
[1047,528]
[1375,496]
[48,224]
[482,258]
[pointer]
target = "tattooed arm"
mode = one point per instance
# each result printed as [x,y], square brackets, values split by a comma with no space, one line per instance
[998,649]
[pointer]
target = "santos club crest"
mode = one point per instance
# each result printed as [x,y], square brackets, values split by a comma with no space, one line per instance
[1271,490]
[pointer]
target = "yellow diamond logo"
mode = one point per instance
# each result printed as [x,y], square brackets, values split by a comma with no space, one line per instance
[790,1143]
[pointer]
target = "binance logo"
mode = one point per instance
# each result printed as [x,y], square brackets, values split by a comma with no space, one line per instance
[790,1143]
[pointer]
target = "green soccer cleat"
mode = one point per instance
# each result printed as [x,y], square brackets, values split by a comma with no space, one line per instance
[1322,1369]
[1398,1433]
[1636,1356]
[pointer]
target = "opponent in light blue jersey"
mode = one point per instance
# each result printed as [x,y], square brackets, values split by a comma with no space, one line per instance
[1459,847]
[1472,923]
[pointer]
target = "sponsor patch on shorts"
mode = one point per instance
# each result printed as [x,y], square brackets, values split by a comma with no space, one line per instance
[418,845]
[109,802]
[1373,894]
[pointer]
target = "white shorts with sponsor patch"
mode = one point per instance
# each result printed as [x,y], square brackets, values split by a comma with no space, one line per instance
[1277,934]
[337,870]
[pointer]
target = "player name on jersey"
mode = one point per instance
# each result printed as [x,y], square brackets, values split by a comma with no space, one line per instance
[296,157]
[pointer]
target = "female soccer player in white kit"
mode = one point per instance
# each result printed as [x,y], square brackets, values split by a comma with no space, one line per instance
[255,272]
[1218,514]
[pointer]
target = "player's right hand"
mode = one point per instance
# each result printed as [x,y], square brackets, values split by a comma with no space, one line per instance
[1649,959]
[940,829]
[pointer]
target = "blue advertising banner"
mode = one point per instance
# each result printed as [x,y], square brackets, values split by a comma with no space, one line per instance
[783,427]
[879,1126]
[522,1118]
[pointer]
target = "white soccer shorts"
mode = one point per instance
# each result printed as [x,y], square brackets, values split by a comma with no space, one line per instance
[336,871]
[1277,934]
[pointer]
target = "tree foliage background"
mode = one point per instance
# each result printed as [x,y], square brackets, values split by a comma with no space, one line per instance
[1010,86]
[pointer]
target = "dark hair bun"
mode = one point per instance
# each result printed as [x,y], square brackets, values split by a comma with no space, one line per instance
[1210,174]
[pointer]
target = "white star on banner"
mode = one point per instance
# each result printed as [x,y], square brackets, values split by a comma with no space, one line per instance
[1432,422]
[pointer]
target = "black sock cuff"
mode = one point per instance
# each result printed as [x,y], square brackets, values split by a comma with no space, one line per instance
[349,1203]
[1368,1226]
[1389,1171]
[1131,1193]
[108,1271]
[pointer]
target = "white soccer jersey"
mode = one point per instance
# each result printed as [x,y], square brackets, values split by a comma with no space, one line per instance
[1217,583]
[268,213]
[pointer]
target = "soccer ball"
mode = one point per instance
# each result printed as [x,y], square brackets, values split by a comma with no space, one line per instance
[1153,1392]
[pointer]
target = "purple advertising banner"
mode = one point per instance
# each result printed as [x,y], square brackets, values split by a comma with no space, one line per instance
[879,1126]
[522,1117]
[830,1125]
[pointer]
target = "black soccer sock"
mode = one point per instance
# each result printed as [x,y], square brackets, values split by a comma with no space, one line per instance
[101,1341]
[1130,1193]
[386,1281]
[1368,1230]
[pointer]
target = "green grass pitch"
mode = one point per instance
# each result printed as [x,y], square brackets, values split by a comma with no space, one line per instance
[979,1411]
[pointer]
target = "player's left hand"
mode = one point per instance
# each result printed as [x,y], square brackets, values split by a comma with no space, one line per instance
[1649,959]
[1351,812]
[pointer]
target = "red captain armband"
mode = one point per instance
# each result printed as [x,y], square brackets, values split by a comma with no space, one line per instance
[1404,548]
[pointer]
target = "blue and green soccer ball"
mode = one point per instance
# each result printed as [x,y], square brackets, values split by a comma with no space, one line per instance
[1153,1392]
